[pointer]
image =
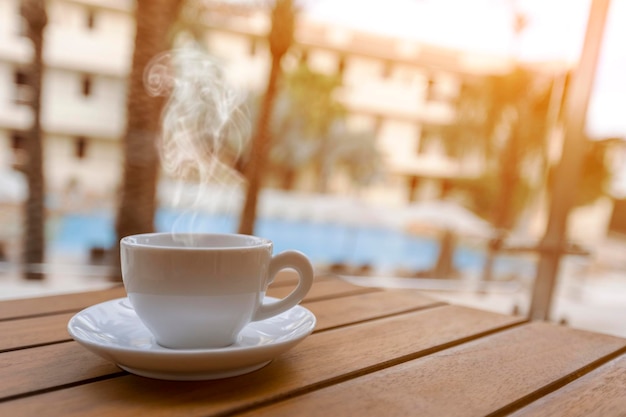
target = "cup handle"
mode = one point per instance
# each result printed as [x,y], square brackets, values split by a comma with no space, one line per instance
[302,265]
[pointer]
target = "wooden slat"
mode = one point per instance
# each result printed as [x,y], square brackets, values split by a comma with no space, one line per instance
[321,358]
[600,393]
[289,277]
[57,303]
[474,379]
[21,308]
[23,371]
[53,328]
[34,331]
[329,313]
[361,307]
[323,289]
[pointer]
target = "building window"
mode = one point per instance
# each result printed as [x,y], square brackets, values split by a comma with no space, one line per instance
[253,46]
[428,136]
[341,66]
[21,78]
[86,85]
[378,125]
[431,89]
[304,56]
[80,147]
[387,69]
[90,20]
[23,91]
[18,141]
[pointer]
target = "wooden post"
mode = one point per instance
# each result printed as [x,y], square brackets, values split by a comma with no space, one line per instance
[568,171]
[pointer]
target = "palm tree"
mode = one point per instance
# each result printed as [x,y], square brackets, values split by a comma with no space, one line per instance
[34,13]
[280,39]
[291,151]
[516,103]
[308,132]
[356,154]
[504,119]
[595,172]
[137,205]
[527,102]
[305,115]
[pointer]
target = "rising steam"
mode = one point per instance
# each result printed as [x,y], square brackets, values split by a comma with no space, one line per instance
[204,124]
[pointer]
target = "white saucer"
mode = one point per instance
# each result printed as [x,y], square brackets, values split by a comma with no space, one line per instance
[113,331]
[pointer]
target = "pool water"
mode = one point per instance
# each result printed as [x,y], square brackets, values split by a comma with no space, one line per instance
[324,243]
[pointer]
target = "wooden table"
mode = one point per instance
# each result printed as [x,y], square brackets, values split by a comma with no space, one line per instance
[374,352]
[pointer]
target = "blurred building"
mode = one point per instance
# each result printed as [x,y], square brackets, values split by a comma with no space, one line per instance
[401,90]
[88,47]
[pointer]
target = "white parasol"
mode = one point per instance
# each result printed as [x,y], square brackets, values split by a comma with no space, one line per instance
[446,215]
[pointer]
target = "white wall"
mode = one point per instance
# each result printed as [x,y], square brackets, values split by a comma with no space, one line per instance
[242,69]
[71,50]
[13,47]
[12,116]
[67,110]
[98,173]
[104,49]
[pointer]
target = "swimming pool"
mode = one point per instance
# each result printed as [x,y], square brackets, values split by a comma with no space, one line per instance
[325,243]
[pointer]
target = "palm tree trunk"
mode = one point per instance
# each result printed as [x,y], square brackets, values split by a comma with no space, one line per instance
[141,157]
[324,165]
[34,13]
[289,178]
[444,267]
[280,39]
[259,153]
[510,179]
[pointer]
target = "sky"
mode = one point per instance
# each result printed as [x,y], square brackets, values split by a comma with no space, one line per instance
[554,32]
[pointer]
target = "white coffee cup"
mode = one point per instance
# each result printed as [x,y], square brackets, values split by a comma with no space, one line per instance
[200,290]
